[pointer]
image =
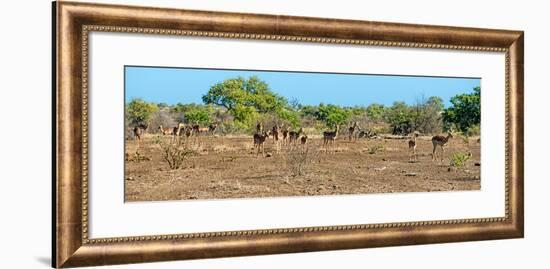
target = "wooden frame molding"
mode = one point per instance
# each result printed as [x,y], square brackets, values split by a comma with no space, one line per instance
[72,23]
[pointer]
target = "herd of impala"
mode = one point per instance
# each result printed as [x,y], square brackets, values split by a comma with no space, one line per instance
[283,136]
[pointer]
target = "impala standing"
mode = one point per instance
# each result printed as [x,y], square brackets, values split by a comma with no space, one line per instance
[329,137]
[412,147]
[440,141]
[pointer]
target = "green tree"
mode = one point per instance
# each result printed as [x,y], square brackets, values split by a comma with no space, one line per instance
[376,112]
[184,108]
[332,115]
[198,116]
[356,111]
[162,105]
[139,111]
[290,116]
[194,113]
[244,98]
[309,111]
[400,118]
[244,113]
[464,112]
[436,102]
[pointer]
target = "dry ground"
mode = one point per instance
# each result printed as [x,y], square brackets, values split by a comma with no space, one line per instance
[227,167]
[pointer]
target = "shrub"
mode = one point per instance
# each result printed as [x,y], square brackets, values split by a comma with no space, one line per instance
[298,161]
[427,115]
[162,117]
[459,159]
[465,110]
[375,148]
[174,151]
[332,115]
[474,130]
[136,157]
[462,136]
[139,111]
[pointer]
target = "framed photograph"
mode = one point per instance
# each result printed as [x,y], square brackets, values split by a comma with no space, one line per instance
[184,134]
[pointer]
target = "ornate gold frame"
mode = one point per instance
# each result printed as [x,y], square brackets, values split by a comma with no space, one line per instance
[74,21]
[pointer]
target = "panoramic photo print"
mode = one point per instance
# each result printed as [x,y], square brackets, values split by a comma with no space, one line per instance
[195,133]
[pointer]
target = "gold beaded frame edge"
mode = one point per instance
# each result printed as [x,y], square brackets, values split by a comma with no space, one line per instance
[72,22]
[87,29]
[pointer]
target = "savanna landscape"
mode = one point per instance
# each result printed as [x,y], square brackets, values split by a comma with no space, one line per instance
[248,140]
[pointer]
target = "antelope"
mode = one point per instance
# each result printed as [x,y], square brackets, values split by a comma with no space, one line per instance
[275,131]
[198,130]
[412,147]
[165,131]
[259,128]
[139,130]
[285,135]
[293,136]
[329,137]
[137,133]
[212,128]
[351,131]
[303,142]
[259,140]
[187,131]
[177,131]
[440,141]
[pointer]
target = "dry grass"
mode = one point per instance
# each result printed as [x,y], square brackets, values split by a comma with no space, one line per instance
[227,167]
[298,161]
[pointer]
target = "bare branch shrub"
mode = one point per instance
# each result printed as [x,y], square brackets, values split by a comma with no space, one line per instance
[162,117]
[298,161]
[427,115]
[174,150]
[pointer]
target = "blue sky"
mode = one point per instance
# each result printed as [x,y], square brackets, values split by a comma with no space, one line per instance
[186,85]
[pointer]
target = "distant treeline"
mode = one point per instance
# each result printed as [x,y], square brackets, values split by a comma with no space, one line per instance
[238,104]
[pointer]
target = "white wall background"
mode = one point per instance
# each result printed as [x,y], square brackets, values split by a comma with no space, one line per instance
[25,133]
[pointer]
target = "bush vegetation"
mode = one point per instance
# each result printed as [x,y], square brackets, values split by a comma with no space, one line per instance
[238,104]
[174,151]
[459,159]
[297,161]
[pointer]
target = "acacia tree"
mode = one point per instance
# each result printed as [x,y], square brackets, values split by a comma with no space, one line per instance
[245,98]
[139,111]
[465,111]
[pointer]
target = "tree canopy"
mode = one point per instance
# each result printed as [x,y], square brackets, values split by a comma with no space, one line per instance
[465,111]
[245,98]
[194,113]
[332,115]
[375,112]
[139,111]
